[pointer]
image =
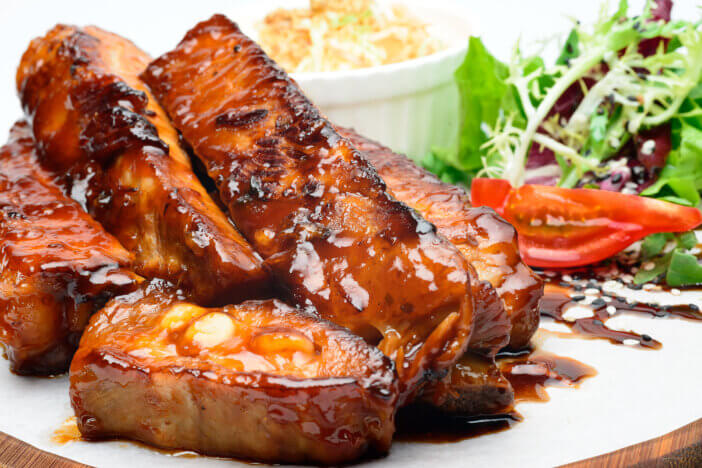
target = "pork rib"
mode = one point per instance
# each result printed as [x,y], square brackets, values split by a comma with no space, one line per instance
[260,380]
[57,265]
[485,239]
[474,386]
[312,205]
[115,151]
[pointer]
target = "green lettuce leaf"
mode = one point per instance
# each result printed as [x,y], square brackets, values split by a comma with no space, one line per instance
[684,270]
[682,175]
[571,48]
[653,244]
[484,93]
[679,267]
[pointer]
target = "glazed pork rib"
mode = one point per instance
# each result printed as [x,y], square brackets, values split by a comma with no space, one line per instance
[485,239]
[474,386]
[114,150]
[312,205]
[57,265]
[260,380]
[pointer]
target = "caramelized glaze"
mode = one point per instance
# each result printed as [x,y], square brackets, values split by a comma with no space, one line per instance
[485,239]
[531,371]
[259,380]
[112,147]
[57,264]
[312,205]
[473,387]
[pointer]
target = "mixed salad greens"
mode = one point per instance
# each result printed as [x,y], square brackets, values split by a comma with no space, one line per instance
[593,152]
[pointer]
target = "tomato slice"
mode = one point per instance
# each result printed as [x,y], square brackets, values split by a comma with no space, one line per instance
[560,227]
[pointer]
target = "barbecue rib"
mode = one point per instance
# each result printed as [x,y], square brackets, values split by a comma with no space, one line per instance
[57,265]
[474,386]
[485,239]
[312,205]
[259,380]
[119,156]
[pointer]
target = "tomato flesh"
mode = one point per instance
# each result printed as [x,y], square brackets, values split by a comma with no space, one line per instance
[560,227]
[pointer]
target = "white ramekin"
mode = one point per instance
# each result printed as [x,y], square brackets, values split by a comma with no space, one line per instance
[410,106]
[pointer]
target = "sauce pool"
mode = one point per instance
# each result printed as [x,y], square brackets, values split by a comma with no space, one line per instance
[531,371]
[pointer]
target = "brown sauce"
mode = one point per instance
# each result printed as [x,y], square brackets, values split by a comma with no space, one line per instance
[423,423]
[531,371]
[558,299]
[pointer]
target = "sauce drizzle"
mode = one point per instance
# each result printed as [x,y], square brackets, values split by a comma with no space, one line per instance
[531,371]
[557,300]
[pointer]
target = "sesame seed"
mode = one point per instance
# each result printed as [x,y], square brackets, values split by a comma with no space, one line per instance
[648,266]
[592,291]
[611,310]
[675,292]
[648,147]
[612,284]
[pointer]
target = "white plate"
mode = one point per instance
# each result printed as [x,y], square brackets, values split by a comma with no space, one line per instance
[636,396]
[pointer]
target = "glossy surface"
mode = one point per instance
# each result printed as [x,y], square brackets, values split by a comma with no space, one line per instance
[111,145]
[560,227]
[485,239]
[312,206]
[57,265]
[260,380]
[427,424]
[532,371]
[474,387]
[558,300]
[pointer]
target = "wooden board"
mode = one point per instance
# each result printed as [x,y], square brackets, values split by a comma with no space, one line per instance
[680,448]
[16,454]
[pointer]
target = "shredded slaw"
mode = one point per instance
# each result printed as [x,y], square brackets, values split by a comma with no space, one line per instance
[334,35]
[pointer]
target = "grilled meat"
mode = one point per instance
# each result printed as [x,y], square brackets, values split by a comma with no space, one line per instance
[112,147]
[57,265]
[474,386]
[485,239]
[260,380]
[311,204]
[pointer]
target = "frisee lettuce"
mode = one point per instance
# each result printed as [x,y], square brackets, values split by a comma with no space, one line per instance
[507,107]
